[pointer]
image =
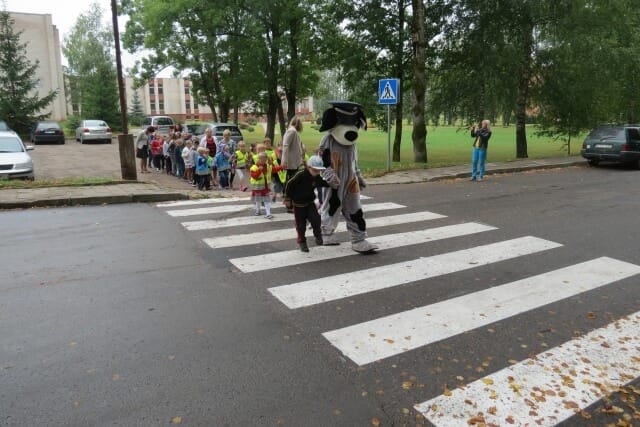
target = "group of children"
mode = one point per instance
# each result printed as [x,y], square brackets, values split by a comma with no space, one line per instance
[257,168]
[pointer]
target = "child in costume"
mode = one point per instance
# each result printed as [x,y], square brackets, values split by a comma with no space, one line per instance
[260,182]
[300,196]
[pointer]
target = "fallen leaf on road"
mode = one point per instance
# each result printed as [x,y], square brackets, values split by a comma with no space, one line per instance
[176,420]
[375,422]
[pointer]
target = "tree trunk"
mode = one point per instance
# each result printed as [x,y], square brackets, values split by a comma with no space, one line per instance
[523,91]
[399,67]
[419,133]
[292,88]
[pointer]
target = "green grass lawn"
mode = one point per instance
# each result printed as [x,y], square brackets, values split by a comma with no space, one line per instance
[446,146]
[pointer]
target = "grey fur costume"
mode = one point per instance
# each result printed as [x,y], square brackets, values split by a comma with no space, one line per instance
[338,152]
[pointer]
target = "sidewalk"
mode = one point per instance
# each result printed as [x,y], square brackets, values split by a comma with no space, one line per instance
[161,187]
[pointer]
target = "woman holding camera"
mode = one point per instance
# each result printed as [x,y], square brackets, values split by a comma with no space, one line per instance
[481,133]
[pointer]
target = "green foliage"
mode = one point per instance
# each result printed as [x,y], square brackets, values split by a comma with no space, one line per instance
[20,103]
[136,113]
[91,72]
[72,122]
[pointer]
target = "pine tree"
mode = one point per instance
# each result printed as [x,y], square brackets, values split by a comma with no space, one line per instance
[20,103]
[136,113]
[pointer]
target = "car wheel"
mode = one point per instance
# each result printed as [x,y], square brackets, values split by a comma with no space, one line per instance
[593,162]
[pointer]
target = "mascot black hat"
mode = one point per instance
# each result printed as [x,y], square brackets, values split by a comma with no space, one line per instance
[343,113]
[343,120]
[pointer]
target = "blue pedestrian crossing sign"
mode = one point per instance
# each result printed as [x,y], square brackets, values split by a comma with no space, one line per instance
[388,91]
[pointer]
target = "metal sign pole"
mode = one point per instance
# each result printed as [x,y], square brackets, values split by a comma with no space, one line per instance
[388,138]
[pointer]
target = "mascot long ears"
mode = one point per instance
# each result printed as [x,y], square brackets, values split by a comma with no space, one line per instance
[343,121]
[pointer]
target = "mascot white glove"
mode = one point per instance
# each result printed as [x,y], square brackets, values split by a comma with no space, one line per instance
[330,176]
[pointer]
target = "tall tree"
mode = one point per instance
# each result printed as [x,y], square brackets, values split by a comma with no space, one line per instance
[419,133]
[91,71]
[136,112]
[20,102]
[375,45]
[234,51]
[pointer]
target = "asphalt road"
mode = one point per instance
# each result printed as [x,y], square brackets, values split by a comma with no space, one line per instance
[124,315]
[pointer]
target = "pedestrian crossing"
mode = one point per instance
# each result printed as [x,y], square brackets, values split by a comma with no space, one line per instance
[540,390]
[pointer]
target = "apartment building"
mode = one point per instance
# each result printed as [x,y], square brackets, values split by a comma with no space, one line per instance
[174,97]
[43,44]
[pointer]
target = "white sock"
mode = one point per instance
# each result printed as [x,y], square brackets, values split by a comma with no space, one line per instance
[258,207]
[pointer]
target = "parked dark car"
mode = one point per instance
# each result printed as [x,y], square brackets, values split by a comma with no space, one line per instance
[613,143]
[218,128]
[49,131]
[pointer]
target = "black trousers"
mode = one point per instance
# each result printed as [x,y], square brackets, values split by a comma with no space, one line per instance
[304,214]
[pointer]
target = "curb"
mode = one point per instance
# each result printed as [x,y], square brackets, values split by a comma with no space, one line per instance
[94,200]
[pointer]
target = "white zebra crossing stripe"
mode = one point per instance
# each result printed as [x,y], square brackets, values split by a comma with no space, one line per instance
[387,336]
[548,388]
[197,202]
[215,200]
[249,220]
[289,233]
[288,258]
[331,288]
[248,207]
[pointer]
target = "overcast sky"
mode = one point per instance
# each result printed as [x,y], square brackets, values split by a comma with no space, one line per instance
[64,14]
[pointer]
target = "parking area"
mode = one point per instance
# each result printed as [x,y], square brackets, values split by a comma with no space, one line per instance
[72,159]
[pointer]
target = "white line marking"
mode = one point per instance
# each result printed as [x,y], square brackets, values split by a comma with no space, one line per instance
[288,258]
[214,200]
[331,288]
[248,220]
[286,234]
[549,388]
[390,335]
[203,201]
[215,210]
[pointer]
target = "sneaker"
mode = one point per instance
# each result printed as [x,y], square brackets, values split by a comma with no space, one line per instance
[319,241]
[473,178]
[269,216]
[304,247]
[257,213]
[479,179]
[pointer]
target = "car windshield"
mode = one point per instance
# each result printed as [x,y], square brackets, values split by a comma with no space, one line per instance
[234,130]
[48,125]
[164,121]
[95,123]
[10,145]
[607,133]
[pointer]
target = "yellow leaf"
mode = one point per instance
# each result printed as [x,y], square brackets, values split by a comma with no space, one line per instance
[375,422]
[487,381]
[389,340]
[407,385]
[176,420]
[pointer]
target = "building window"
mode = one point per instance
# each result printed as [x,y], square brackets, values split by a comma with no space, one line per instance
[151,92]
[161,106]
[188,105]
[159,90]
[186,90]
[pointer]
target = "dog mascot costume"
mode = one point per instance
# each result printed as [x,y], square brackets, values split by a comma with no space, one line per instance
[338,150]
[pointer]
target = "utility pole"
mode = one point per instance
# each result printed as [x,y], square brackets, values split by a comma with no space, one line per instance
[125,140]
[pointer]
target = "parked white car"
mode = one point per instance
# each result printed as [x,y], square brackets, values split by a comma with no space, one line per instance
[93,131]
[15,161]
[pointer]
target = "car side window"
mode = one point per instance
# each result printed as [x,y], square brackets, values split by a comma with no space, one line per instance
[633,134]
